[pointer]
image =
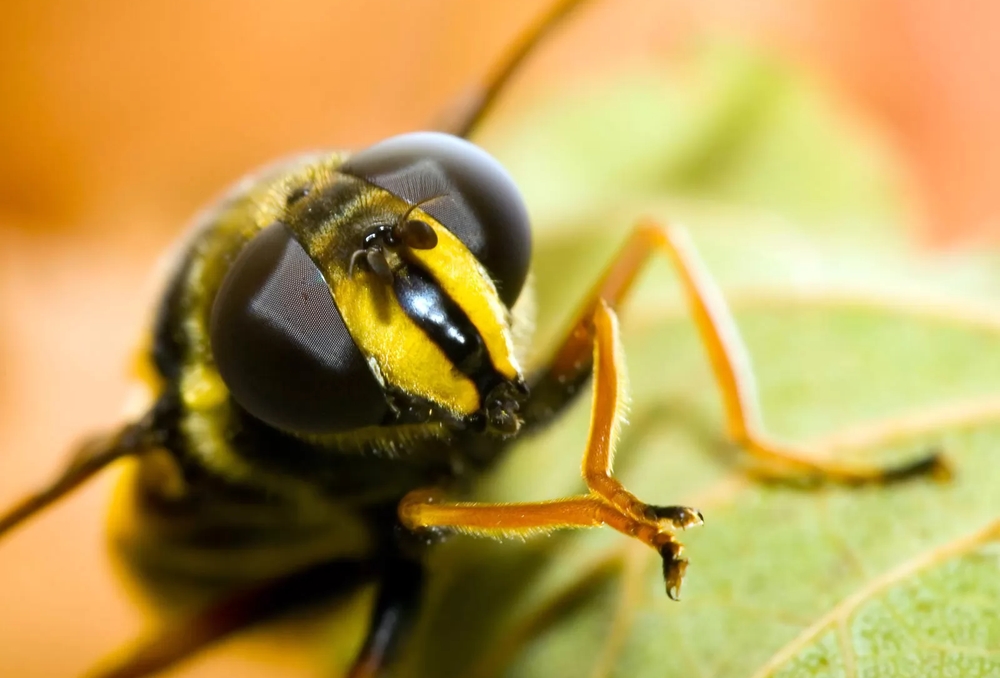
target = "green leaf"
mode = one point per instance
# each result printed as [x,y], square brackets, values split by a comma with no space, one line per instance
[869,577]
[789,189]
[723,125]
[851,329]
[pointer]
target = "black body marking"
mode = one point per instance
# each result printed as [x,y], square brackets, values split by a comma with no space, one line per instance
[447,325]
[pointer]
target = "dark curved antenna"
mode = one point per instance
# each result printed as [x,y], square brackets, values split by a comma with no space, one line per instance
[481,100]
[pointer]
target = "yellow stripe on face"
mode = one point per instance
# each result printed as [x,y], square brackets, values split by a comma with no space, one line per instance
[463,278]
[404,355]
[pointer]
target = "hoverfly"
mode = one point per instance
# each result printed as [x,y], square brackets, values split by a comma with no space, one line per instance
[338,346]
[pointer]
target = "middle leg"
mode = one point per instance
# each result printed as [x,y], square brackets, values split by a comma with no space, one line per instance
[607,503]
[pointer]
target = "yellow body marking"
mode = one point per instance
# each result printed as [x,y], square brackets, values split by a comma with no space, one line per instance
[463,279]
[403,353]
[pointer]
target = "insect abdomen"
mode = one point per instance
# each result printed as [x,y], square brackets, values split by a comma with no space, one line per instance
[188,542]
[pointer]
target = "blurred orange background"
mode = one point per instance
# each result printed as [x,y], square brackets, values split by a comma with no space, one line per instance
[119,120]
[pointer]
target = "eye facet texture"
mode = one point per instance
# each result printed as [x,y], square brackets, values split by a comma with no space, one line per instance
[281,345]
[468,191]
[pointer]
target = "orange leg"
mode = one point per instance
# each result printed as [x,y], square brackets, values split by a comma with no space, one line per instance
[592,346]
[726,352]
[608,503]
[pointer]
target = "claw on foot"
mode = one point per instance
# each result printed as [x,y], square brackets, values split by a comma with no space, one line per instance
[933,464]
[676,517]
[674,566]
[668,519]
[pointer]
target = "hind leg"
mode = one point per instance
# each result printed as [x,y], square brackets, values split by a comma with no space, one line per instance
[465,115]
[557,383]
[182,639]
[400,583]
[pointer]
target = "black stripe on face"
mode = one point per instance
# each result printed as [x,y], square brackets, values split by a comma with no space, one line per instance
[447,325]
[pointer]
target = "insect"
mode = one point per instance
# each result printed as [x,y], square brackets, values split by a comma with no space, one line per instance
[339,346]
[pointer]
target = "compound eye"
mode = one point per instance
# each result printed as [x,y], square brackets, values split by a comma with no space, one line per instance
[468,191]
[281,345]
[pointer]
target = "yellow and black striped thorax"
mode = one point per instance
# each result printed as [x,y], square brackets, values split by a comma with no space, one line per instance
[340,297]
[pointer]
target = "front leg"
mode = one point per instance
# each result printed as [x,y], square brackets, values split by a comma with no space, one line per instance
[607,503]
[92,456]
[400,590]
[557,383]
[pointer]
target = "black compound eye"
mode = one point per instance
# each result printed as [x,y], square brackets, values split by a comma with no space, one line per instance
[281,345]
[476,198]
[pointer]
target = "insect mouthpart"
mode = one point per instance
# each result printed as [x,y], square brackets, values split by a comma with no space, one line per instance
[501,406]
